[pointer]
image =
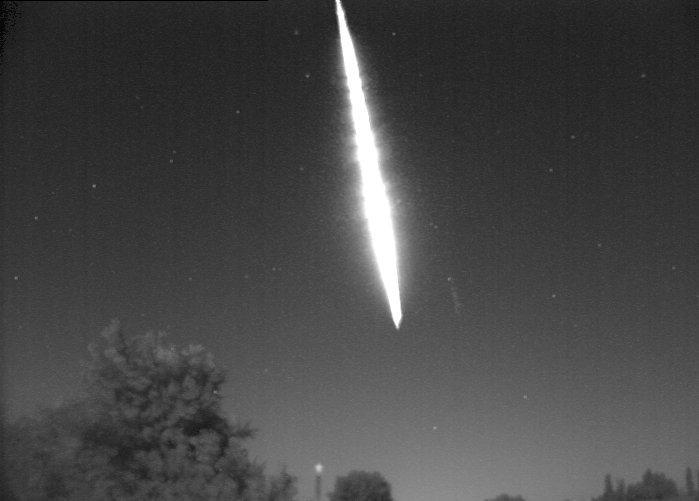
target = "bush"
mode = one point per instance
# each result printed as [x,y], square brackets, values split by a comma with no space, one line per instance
[151,427]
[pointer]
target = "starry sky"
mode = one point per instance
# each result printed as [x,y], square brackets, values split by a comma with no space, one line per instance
[189,168]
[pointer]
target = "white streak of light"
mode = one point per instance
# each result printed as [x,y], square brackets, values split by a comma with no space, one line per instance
[376,206]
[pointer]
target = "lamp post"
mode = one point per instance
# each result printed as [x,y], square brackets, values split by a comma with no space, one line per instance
[319,476]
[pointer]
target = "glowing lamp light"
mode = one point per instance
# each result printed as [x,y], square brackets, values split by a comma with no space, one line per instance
[319,469]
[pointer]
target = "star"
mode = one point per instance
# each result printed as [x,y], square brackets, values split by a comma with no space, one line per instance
[94,185]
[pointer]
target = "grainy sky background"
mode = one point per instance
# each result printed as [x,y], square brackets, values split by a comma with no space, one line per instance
[189,168]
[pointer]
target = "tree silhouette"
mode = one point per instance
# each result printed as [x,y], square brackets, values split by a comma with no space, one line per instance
[40,452]
[652,486]
[620,492]
[689,482]
[151,428]
[361,486]
[282,487]
[506,497]
[608,494]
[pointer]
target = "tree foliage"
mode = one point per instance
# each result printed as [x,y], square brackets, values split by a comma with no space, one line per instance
[689,482]
[42,454]
[282,487]
[610,493]
[620,492]
[506,497]
[652,486]
[361,486]
[150,428]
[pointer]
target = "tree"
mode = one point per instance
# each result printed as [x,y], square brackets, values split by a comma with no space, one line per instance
[652,486]
[608,494]
[150,428]
[361,486]
[689,482]
[620,493]
[41,454]
[506,497]
[282,487]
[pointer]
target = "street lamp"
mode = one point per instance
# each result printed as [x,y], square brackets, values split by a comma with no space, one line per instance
[319,474]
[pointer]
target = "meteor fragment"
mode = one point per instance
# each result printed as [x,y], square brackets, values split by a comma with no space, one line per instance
[376,205]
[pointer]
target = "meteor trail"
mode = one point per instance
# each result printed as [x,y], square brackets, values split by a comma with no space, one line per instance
[376,206]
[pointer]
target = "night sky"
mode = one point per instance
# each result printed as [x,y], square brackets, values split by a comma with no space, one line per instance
[189,168]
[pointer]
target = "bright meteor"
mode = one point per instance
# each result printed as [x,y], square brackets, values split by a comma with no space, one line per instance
[376,206]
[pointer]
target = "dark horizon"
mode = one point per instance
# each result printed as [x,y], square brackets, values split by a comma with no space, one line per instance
[190,169]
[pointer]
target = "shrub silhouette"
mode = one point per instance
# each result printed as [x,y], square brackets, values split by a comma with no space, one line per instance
[361,486]
[151,427]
